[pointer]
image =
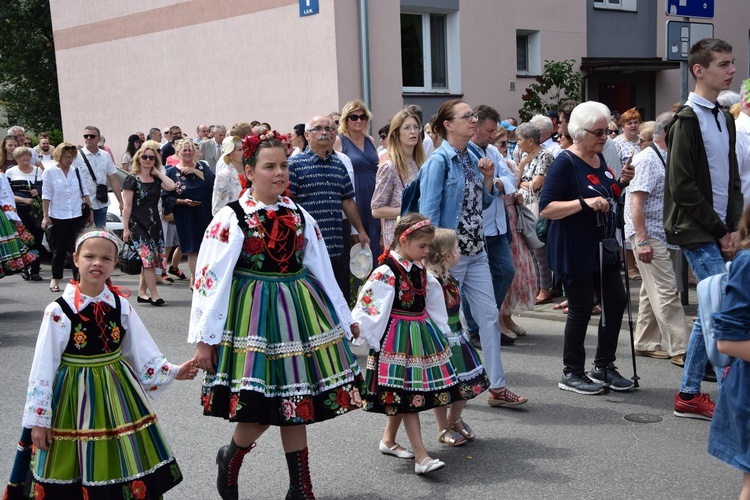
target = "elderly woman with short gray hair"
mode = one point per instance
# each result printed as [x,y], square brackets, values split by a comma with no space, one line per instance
[534,165]
[578,198]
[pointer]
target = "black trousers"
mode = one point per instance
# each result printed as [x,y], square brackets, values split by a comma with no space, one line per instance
[341,265]
[580,291]
[64,233]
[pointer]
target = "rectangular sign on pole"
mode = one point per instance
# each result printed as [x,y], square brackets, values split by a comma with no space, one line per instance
[308,7]
[691,8]
[681,36]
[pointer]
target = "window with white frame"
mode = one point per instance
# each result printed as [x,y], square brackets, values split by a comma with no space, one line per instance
[627,5]
[429,52]
[528,53]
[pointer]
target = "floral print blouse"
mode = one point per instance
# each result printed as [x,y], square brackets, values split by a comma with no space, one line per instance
[388,190]
[227,188]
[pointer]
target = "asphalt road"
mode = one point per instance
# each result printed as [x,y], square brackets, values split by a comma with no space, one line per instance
[559,445]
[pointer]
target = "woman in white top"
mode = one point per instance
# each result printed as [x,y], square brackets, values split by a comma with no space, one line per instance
[134,144]
[26,182]
[230,174]
[62,192]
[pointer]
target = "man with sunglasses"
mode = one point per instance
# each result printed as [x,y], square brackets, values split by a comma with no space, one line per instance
[93,159]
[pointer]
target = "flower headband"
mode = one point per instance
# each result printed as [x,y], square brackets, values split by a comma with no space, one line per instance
[99,233]
[251,142]
[414,227]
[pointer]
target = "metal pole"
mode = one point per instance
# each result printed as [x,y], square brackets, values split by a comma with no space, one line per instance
[684,296]
[364,49]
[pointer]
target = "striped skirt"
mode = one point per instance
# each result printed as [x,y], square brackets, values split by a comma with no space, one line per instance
[472,379]
[283,359]
[412,372]
[105,439]
[15,242]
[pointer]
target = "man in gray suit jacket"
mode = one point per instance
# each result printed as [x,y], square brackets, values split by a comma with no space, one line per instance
[211,148]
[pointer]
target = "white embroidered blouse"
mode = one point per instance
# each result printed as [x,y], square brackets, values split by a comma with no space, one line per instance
[218,255]
[137,346]
[373,308]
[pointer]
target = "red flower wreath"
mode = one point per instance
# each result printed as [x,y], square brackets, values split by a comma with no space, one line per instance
[251,142]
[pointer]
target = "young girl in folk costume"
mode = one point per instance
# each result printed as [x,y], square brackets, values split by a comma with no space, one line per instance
[444,254]
[94,432]
[270,322]
[729,440]
[402,316]
[15,239]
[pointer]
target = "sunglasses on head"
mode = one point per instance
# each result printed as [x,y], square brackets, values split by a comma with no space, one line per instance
[148,157]
[69,148]
[354,118]
[89,136]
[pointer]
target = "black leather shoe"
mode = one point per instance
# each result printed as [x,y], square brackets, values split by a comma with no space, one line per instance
[144,301]
[505,340]
[25,275]
[36,277]
[157,302]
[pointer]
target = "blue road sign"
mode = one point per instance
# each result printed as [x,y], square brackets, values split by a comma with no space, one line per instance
[691,8]
[308,7]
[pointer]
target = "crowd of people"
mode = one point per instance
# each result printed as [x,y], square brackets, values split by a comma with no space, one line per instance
[267,221]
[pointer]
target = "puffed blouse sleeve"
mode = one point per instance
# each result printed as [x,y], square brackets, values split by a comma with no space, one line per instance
[154,372]
[50,344]
[317,261]
[373,307]
[435,304]
[219,251]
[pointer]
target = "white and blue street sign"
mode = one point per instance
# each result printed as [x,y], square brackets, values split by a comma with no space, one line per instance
[308,7]
[691,8]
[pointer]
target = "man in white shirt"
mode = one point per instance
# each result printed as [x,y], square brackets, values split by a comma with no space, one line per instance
[211,148]
[661,330]
[92,158]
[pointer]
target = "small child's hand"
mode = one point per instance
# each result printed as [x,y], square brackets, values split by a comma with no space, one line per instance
[41,437]
[354,327]
[187,370]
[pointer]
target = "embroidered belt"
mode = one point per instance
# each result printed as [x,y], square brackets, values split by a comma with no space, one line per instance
[95,360]
[270,276]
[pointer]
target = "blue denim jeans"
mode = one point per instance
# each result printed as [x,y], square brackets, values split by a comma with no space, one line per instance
[705,261]
[100,217]
[502,270]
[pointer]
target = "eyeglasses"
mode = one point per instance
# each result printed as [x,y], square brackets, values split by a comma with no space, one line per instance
[469,117]
[409,128]
[148,157]
[641,140]
[502,144]
[354,118]
[320,129]
[598,132]
[89,136]
[27,144]
[611,132]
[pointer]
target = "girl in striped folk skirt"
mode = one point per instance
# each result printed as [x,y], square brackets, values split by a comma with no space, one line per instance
[403,318]
[270,322]
[91,425]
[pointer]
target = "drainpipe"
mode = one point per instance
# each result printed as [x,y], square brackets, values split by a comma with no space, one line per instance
[364,48]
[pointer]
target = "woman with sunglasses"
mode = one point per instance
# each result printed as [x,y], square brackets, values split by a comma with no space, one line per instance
[141,223]
[355,143]
[134,143]
[578,198]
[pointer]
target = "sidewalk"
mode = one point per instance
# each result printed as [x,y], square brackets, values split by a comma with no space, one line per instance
[547,312]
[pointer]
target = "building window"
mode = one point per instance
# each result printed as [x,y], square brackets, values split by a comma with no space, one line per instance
[429,52]
[626,5]
[528,53]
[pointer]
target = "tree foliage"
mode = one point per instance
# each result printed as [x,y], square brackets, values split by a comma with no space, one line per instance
[28,73]
[558,82]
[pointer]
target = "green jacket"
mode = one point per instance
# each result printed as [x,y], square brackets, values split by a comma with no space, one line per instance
[689,216]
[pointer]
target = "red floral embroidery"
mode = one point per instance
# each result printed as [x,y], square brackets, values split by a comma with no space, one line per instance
[271,214]
[138,488]
[343,399]
[616,190]
[55,318]
[85,493]
[38,491]
[305,410]
[233,405]
[252,246]
[224,235]
[593,179]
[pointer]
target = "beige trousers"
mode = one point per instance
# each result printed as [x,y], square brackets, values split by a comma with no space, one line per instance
[661,318]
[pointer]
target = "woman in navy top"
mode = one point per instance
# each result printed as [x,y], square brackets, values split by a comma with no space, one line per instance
[579,197]
[354,142]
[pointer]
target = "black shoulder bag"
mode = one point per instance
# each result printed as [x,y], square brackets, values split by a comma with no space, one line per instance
[102,194]
[85,208]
